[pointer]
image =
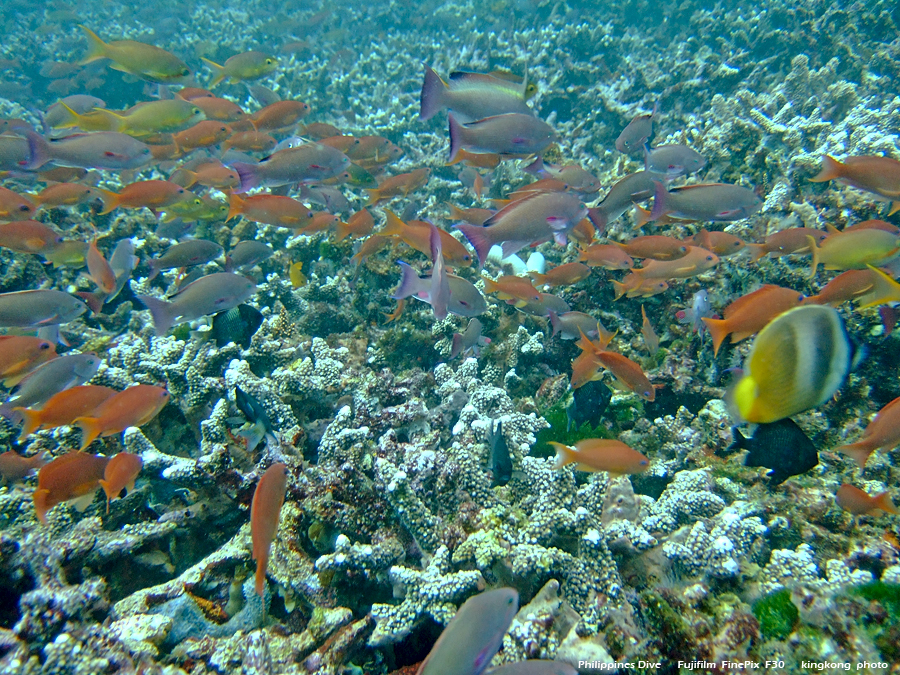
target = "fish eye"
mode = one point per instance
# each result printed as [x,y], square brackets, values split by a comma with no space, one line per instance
[270,61]
[24,207]
[145,151]
[196,111]
[709,257]
[44,345]
[467,257]
[801,297]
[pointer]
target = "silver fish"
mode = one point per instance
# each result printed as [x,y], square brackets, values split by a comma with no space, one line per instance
[186,254]
[509,134]
[636,133]
[48,379]
[465,299]
[470,340]
[710,201]
[633,189]
[34,309]
[472,96]
[211,294]
[673,160]
[99,150]
[546,215]
[307,163]
[247,253]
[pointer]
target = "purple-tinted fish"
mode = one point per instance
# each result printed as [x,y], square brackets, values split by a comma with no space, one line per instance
[439,292]
[710,201]
[465,299]
[48,379]
[186,254]
[472,96]
[534,666]
[509,134]
[531,220]
[633,189]
[636,134]
[673,160]
[570,325]
[473,636]
[14,153]
[307,163]
[57,115]
[546,303]
[211,294]
[469,341]
[247,253]
[694,315]
[100,150]
[34,309]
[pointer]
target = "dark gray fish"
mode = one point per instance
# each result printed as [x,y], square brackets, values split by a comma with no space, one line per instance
[247,253]
[37,308]
[256,415]
[238,325]
[501,462]
[186,254]
[48,379]
[263,95]
[633,189]
[588,404]
[636,133]
[780,446]
[673,160]
[509,134]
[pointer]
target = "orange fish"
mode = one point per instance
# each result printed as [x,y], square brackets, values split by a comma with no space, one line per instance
[417,234]
[860,503]
[867,225]
[219,109]
[651,339]
[720,243]
[279,115]
[401,184]
[202,135]
[265,511]
[213,174]
[473,216]
[607,256]
[14,206]
[508,287]
[132,407]
[627,373]
[480,160]
[635,287]
[877,175]
[359,225]
[120,473]
[370,246]
[270,209]
[190,93]
[250,141]
[601,454]
[320,130]
[63,408]
[786,242]
[28,236]
[14,467]
[562,275]
[20,354]
[99,269]
[655,246]
[75,475]
[696,261]
[870,286]
[398,310]
[881,432]
[750,313]
[320,222]
[154,194]
[66,194]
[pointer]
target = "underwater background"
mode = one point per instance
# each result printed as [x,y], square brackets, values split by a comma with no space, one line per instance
[403,496]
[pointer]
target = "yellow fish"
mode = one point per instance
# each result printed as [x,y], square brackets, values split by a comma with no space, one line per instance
[853,250]
[136,58]
[247,66]
[296,275]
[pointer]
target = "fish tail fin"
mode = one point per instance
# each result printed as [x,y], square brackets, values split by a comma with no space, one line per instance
[660,200]
[90,430]
[536,168]
[831,169]
[115,121]
[456,345]
[39,497]
[883,502]
[38,150]
[599,218]
[96,46]
[374,196]
[538,278]
[162,312]
[456,213]
[641,216]
[32,422]
[719,330]
[757,252]
[859,451]
[217,69]
[815,256]
[248,175]
[456,138]
[110,200]
[479,239]
[620,288]
[895,206]
[432,99]
[884,290]
[408,282]
[341,231]
[95,300]
[235,206]
[393,226]
[564,454]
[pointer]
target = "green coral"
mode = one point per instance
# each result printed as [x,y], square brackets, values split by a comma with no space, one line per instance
[777,614]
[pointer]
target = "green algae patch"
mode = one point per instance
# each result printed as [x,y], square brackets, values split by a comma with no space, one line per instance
[777,614]
[559,432]
[886,594]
